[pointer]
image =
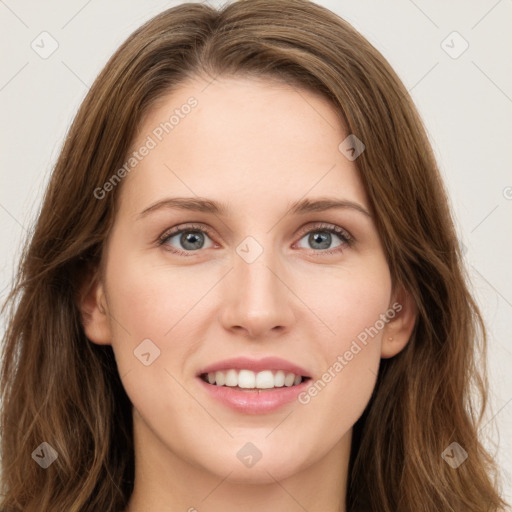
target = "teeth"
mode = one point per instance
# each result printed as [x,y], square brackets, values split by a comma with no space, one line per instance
[231,378]
[248,379]
[264,380]
[220,378]
[279,379]
[289,379]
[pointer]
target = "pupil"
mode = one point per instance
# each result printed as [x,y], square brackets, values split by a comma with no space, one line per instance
[187,240]
[326,239]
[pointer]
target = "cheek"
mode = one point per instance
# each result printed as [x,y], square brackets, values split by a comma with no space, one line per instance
[349,301]
[149,302]
[150,299]
[353,308]
[162,304]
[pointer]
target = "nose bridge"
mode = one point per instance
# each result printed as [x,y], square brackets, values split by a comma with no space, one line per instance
[259,300]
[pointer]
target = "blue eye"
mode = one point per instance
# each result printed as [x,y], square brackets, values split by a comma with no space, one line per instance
[192,239]
[320,237]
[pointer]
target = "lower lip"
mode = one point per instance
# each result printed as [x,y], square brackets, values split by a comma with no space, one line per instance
[254,402]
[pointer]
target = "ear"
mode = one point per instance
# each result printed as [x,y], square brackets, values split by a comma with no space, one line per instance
[93,309]
[398,330]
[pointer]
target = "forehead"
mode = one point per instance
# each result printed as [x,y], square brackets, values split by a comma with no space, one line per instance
[242,141]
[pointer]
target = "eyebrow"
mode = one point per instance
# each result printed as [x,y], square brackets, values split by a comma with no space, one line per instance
[300,207]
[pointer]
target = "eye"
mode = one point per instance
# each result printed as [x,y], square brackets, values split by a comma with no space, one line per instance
[191,238]
[320,238]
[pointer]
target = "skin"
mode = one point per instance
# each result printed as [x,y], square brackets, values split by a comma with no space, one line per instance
[257,146]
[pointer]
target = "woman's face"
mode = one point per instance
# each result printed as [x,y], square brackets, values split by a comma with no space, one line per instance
[255,278]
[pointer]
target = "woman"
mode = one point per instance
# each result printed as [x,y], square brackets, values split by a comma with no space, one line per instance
[179,341]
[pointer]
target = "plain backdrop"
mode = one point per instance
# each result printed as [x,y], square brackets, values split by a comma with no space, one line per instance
[461,83]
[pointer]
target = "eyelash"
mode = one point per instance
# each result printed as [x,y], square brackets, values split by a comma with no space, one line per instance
[345,236]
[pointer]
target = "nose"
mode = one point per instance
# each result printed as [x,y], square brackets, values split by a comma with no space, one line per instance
[257,299]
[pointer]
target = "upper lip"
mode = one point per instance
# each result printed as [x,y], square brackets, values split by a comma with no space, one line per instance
[256,365]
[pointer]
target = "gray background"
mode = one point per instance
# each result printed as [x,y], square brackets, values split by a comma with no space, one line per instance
[465,101]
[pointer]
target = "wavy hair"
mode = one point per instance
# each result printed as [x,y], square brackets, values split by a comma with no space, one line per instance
[58,387]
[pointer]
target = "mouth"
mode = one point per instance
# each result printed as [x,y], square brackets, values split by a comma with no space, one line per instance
[248,380]
[253,386]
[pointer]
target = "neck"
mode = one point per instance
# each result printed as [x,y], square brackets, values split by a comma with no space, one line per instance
[165,481]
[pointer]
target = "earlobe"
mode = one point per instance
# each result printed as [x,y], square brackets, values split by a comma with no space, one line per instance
[94,312]
[398,330]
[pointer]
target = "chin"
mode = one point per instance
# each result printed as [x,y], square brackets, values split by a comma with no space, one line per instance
[266,470]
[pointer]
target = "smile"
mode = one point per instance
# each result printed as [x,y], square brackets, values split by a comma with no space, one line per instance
[250,380]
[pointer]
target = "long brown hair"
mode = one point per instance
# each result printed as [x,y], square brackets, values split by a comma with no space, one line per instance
[58,387]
